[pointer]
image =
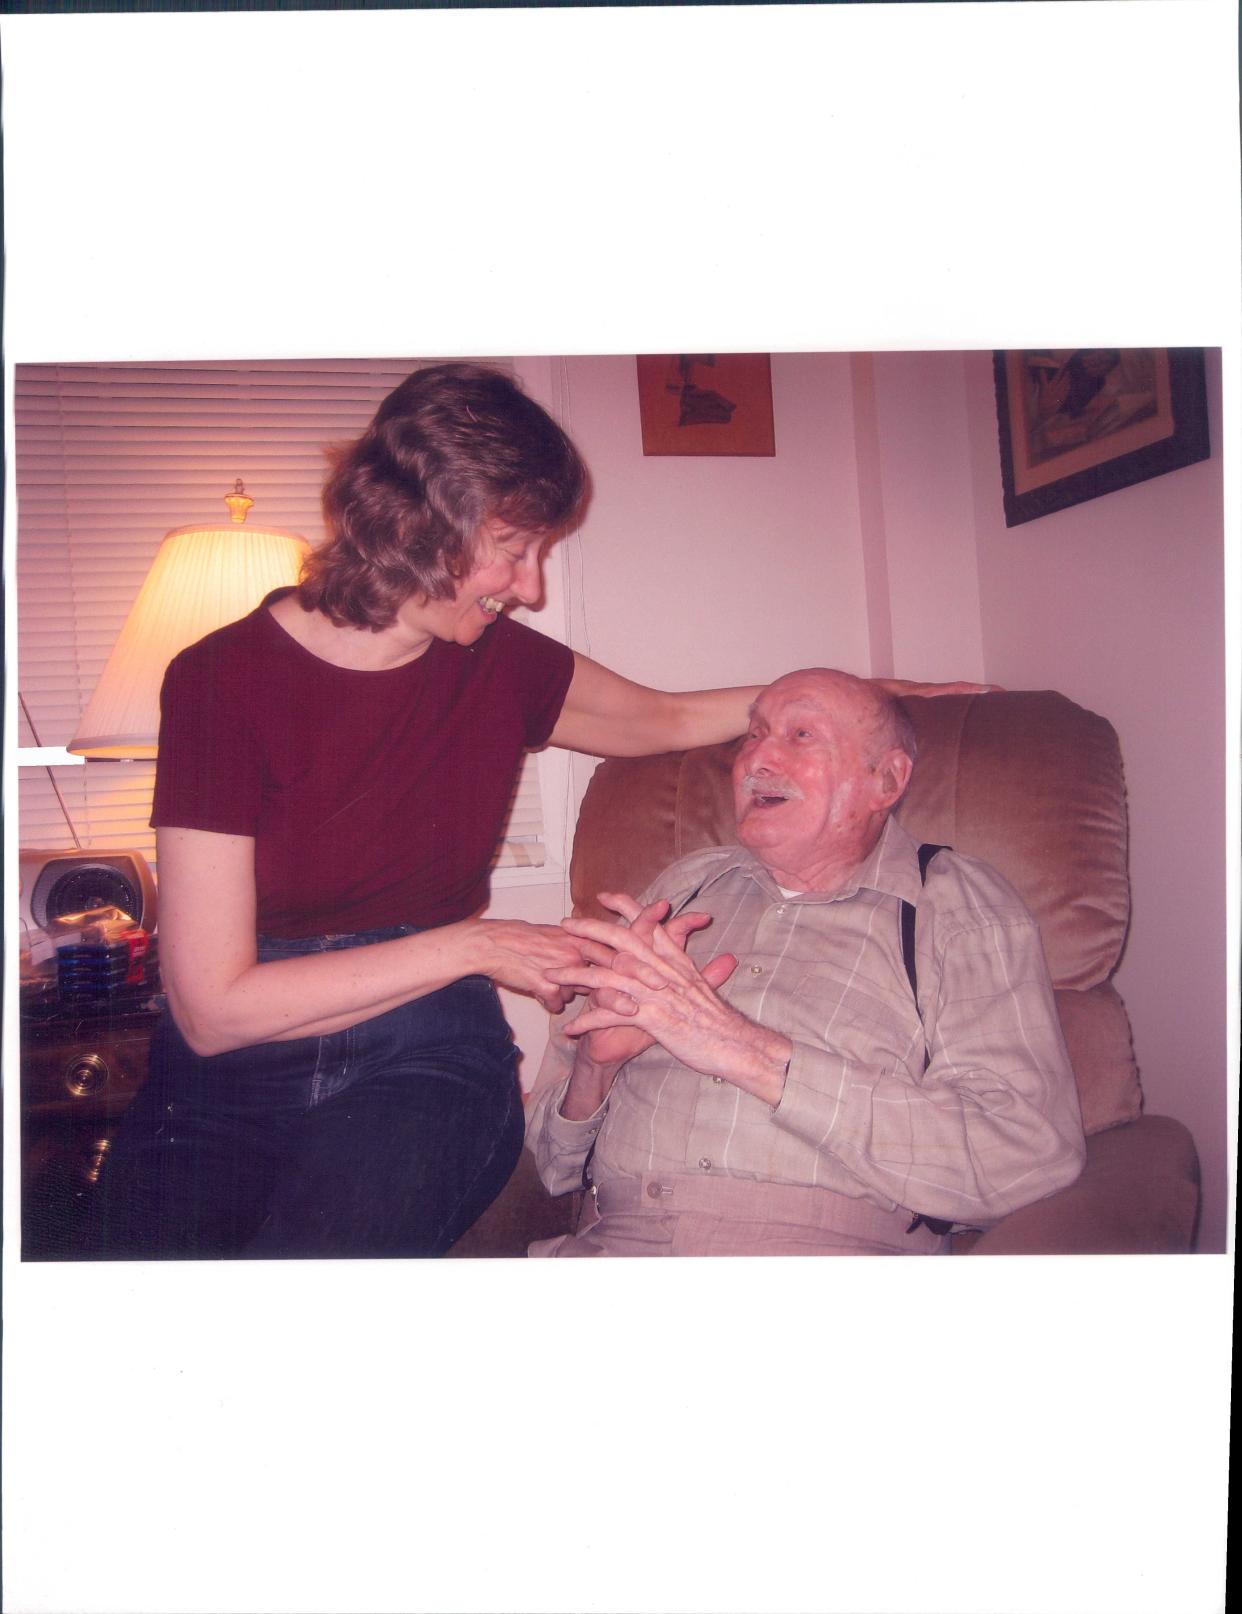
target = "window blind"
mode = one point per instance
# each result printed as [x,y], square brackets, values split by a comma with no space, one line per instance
[110,457]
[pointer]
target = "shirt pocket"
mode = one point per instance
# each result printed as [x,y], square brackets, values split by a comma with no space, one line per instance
[869,1024]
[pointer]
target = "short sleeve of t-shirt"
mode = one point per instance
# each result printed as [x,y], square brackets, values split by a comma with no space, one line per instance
[543,670]
[210,769]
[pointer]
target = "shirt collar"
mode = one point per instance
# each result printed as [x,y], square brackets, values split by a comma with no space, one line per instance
[891,868]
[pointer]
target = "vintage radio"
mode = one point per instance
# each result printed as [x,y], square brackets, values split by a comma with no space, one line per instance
[55,883]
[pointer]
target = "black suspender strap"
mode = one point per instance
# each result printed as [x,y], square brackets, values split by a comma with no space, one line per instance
[908,914]
[926,852]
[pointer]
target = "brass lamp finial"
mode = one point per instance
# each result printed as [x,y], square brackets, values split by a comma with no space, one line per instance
[238,501]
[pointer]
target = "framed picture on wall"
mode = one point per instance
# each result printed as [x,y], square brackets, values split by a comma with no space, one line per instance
[1079,422]
[706,403]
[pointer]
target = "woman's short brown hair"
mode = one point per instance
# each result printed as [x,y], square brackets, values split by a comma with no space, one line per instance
[452,447]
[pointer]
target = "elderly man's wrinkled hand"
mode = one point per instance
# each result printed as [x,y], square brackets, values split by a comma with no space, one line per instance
[617,1044]
[677,1005]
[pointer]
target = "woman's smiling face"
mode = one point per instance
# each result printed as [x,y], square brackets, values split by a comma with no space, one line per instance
[508,570]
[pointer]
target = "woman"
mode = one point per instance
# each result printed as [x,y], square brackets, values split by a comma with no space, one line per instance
[334,1075]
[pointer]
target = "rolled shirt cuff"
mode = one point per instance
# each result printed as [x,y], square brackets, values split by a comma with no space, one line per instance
[560,1146]
[814,1091]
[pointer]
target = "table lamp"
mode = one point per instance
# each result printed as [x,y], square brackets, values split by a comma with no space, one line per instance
[202,577]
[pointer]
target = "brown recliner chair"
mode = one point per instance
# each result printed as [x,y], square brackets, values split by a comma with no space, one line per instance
[1033,785]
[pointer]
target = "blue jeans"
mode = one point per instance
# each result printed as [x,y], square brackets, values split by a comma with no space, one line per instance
[387,1139]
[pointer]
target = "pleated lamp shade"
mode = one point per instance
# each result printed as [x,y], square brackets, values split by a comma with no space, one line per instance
[201,578]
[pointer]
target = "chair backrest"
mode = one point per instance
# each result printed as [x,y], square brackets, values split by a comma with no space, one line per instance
[1027,781]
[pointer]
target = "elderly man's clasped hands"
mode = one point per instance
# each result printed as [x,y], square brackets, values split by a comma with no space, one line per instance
[643,988]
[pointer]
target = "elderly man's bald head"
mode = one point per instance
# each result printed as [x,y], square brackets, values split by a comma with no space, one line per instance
[826,759]
[878,714]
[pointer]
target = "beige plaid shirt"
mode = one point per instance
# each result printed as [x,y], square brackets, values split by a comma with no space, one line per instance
[992,1124]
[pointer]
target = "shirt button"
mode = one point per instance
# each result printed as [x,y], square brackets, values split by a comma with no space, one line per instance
[781,909]
[654,1190]
[719,1080]
[704,1163]
[756,969]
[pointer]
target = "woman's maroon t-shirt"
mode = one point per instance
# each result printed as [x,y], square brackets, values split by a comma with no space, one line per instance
[374,798]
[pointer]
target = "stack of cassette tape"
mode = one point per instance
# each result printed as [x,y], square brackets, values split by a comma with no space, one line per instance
[103,955]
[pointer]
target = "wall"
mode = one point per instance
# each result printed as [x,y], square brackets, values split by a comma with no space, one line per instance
[1119,603]
[716,571]
[912,448]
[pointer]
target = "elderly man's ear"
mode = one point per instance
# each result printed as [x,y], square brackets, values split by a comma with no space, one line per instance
[891,776]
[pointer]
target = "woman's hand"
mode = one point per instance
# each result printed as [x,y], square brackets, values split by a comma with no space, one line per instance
[906,686]
[519,955]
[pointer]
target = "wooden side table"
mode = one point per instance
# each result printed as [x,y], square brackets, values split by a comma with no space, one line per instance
[80,1069]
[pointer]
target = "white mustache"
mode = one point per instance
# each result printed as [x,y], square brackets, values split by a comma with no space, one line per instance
[752,785]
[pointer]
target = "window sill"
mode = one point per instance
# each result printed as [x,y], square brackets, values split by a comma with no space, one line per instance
[547,874]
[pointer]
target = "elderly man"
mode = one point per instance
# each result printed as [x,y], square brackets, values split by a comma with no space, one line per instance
[773,1084]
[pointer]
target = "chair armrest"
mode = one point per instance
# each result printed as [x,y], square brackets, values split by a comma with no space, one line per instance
[1138,1195]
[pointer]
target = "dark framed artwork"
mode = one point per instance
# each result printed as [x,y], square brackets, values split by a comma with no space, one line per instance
[1079,422]
[706,403]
